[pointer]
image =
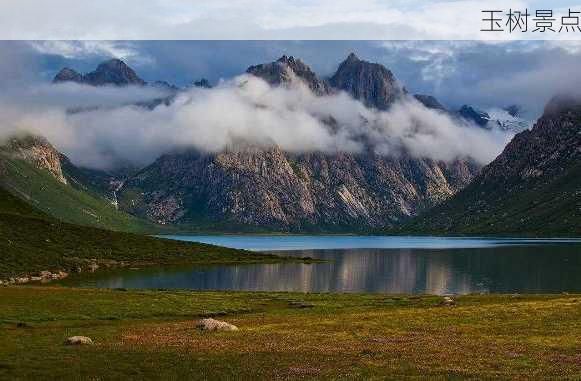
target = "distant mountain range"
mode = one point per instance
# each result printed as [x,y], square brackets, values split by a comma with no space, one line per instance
[268,189]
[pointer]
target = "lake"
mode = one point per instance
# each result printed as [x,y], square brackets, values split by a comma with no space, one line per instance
[410,265]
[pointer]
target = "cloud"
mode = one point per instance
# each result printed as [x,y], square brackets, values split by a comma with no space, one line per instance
[124,50]
[239,112]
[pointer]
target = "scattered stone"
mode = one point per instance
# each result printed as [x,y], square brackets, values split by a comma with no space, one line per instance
[79,269]
[448,301]
[79,340]
[22,280]
[215,325]
[35,278]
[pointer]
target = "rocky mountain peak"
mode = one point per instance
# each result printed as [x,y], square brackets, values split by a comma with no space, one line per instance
[371,83]
[68,75]
[352,58]
[115,72]
[111,72]
[287,69]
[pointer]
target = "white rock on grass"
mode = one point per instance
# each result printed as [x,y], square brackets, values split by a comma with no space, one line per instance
[448,301]
[215,325]
[79,340]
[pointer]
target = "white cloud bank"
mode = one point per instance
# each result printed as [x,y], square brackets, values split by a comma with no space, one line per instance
[245,110]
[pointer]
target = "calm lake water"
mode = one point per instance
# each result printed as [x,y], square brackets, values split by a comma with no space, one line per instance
[433,265]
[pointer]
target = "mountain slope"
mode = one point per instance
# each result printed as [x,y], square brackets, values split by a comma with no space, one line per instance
[532,188]
[37,173]
[288,69]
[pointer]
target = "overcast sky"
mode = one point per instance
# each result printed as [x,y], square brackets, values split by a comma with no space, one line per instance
[265,19]
[483,74]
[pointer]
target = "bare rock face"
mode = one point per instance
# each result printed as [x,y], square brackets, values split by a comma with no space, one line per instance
[370,83]
[269,188]
[79,340]
[39,152]
[215,325]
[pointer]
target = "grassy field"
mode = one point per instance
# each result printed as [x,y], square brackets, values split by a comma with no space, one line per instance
[152,335]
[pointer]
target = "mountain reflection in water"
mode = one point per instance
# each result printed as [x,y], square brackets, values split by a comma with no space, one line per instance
[549,268]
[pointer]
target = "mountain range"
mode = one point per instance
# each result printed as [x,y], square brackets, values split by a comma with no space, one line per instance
[255,188]
[267,189]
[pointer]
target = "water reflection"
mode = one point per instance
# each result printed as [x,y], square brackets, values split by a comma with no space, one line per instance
[548,268]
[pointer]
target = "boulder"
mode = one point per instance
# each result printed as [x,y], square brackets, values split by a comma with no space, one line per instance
[448,301]
[215,325]
[79,340]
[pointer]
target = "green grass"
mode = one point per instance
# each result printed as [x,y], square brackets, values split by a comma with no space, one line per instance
[152,335]
[66,202]
[31,241]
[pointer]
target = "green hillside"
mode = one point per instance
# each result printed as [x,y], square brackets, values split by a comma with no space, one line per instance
[553,209]
[31,241]
[68,203]
[533,188]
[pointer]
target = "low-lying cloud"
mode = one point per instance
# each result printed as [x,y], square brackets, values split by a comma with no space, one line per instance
[244,110]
